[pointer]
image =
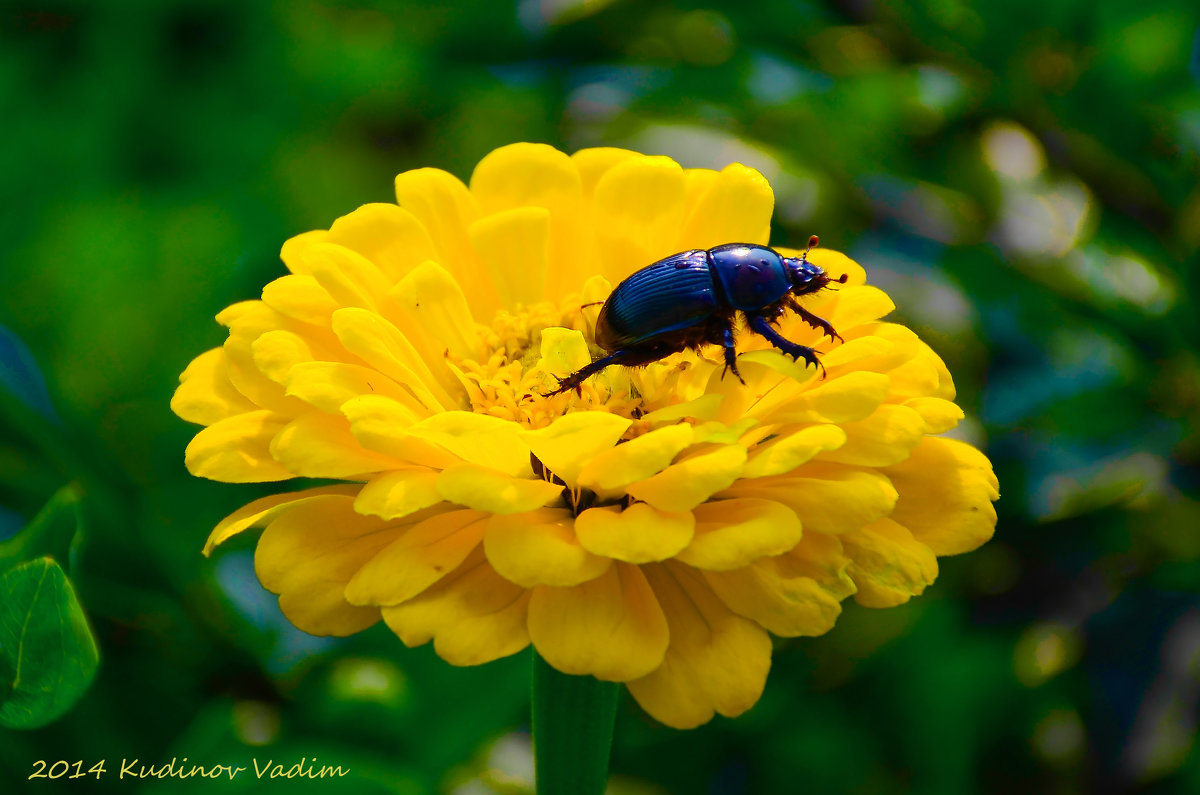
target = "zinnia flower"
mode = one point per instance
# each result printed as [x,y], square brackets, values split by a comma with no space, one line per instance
[652,530]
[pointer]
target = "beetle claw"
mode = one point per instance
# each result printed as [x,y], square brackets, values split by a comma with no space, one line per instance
[809,356]
[565,385]
[816,321]
[736,374]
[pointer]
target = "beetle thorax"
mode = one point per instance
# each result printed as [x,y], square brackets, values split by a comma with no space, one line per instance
[749,276]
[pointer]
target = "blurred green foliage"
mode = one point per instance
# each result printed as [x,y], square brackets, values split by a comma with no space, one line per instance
[47,653]
[1021,177]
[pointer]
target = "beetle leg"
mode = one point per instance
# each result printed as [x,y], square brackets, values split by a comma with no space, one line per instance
[795,350]
[815,321]
[629,358]
[730,355]
[575,380]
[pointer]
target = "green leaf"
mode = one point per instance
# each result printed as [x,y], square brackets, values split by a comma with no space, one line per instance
[48,656]
[52,532]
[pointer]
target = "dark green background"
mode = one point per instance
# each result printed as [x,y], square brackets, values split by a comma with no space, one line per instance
[154,155]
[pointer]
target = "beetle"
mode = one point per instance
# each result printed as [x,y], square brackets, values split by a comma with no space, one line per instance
[692,298]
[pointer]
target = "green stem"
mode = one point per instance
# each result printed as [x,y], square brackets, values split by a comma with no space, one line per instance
[573,720]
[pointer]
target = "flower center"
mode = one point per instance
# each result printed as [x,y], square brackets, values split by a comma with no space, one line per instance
[510,380]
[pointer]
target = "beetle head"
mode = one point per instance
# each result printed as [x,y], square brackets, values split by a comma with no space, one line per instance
[806,277]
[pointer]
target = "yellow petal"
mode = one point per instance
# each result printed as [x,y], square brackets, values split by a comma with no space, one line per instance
[307,556]
[435,302]
[596,162]
[317,445]
[444,207]
[704,407]
[863,352]
[945,388]
[300,297]
[242,314]
[683,486]
[349,277]
[856,305]
[851,397]
[525,174]
[895,345]
[638,212]
[249,320]
[239,358]
[238,449]
[787,606]
[381,424]
[791,450]
[478,439]
[638,534]
[563,351]
[689,377]
[939,414]
[399,493]
[736,208]
[917,377]
[540,548]
[294,247]
[732,533]
[276,352]
[566,444]
[719,432]
[596,290]
[263,511]
[884,438]
[946,491]
[381,345]
[319,609]
[821,558]
[765,392]
[697,182]
[486,489]
[514,248]
[523,177]
[328,385]
[716,660]
[760,379]
[205,395]
[473,615]
[609,471]
[828,498]
[389,236]
[422,554]
[611,627]
[889,566]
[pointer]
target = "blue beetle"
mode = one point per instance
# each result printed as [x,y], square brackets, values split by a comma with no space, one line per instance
[691,298]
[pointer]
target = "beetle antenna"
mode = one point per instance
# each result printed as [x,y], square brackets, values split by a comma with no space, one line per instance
[813,242]
[839,280]
[593,303]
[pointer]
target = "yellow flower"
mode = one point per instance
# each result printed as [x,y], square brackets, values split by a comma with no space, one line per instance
[652,530]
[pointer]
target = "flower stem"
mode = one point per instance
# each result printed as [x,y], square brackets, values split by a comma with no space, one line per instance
[573,720]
